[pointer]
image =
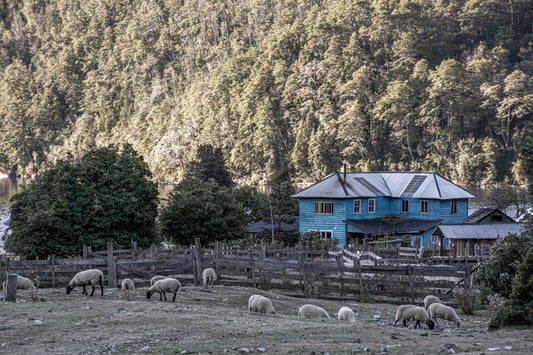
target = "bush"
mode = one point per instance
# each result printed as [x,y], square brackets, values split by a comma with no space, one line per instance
[467,299]
[495,302]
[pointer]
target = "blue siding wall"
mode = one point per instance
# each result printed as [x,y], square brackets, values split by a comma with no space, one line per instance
[310,221]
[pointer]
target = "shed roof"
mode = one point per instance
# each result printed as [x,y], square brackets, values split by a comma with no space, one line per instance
[480,231]
[482,213]
[266,226]
[381,226]
[392,184]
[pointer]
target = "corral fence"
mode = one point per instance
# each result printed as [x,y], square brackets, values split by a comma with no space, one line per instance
[308,273]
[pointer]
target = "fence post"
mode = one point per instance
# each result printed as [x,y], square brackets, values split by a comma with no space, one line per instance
[252,269]
[85,252]
[360,275]
[198,261]
[411,286]
[153,258]
[133,249]
[111,267]
[340,266]
[468,277]
[301,261]
[53,270]
[11,288]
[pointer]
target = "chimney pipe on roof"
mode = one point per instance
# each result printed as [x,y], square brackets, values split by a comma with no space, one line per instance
[344,166]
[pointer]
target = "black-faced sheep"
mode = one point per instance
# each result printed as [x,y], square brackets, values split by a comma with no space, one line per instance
[128,287]
[346,314]
[439,310]
[260,304]
[209,276]
[429,299]
[91,277]
[408,312]
[312,311]
[163,286]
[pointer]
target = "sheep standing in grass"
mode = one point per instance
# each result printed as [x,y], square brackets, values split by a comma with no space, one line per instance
[408,312]
[346,314]
[23,283]
[312,311]
[163,286]
[429,299]
[91,277]
[128,287]
[439,310]
[209,276]
[260,304]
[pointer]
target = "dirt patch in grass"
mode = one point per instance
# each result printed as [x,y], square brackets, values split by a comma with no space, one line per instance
[217,321]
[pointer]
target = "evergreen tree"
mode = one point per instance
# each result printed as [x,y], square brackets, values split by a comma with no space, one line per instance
[209,164]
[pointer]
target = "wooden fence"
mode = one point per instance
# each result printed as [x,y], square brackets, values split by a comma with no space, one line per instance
[322,274]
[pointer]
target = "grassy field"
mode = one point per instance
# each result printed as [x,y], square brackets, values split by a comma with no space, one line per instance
[216,321]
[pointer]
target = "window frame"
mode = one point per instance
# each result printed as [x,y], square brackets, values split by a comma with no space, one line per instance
[424,206]
[453,206]
[373,209]
[404,206]
[358,207]
[322,209]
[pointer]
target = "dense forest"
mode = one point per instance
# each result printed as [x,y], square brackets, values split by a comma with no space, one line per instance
[440,85]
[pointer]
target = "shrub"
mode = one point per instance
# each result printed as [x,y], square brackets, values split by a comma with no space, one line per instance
[495,303]
[467,299]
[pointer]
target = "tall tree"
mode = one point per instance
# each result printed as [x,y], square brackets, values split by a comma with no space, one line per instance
[210,164]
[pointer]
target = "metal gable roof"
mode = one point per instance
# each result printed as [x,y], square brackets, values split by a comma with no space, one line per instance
[480,231]
[392,184]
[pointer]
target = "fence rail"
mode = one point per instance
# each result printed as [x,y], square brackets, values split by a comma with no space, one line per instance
[311,273]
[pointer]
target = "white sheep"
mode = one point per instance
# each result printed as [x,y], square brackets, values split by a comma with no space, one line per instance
[429,299]
[260,304]
[346,314]
[23,283]
[312,311]
[162,286]
[408,312]
[91,277]
[156,278]
[128,287]
[439,310]
[209,276]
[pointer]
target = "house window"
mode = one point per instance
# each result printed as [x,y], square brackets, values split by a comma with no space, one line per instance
[453,207]
[371,206]
[326,235]
[357,206]
[424,206]
[405,206]
[323,207]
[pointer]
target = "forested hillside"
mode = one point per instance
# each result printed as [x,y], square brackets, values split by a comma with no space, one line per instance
[443,85]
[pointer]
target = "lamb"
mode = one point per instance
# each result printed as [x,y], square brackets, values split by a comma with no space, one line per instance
[260,304]
[429,299]
[163,286]
[346,314]
[128,287]
[23,283]
[439,310]
[209,277]
[91,277]
[312,311]
[408,312]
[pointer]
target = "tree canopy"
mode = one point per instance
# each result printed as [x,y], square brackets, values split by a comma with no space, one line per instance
[203,210]
[443,86]
[105,196]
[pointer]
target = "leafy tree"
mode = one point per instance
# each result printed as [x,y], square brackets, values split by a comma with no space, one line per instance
[526,160]
[203,210]
[255,203]
[209,164]
[106,196]
[284,207]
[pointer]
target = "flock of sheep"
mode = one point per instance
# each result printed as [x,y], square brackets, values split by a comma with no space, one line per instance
[433,308]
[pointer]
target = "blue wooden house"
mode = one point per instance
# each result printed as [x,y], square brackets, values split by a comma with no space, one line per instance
[351,206]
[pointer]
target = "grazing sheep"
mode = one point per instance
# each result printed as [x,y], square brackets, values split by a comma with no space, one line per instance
[128,287]
[209,276]
[439,310]
[429,299]
[156,278]
[408,312]
[260,304]
[346,314]
[312,311]
[23,283]
[163,286]
[91,277]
